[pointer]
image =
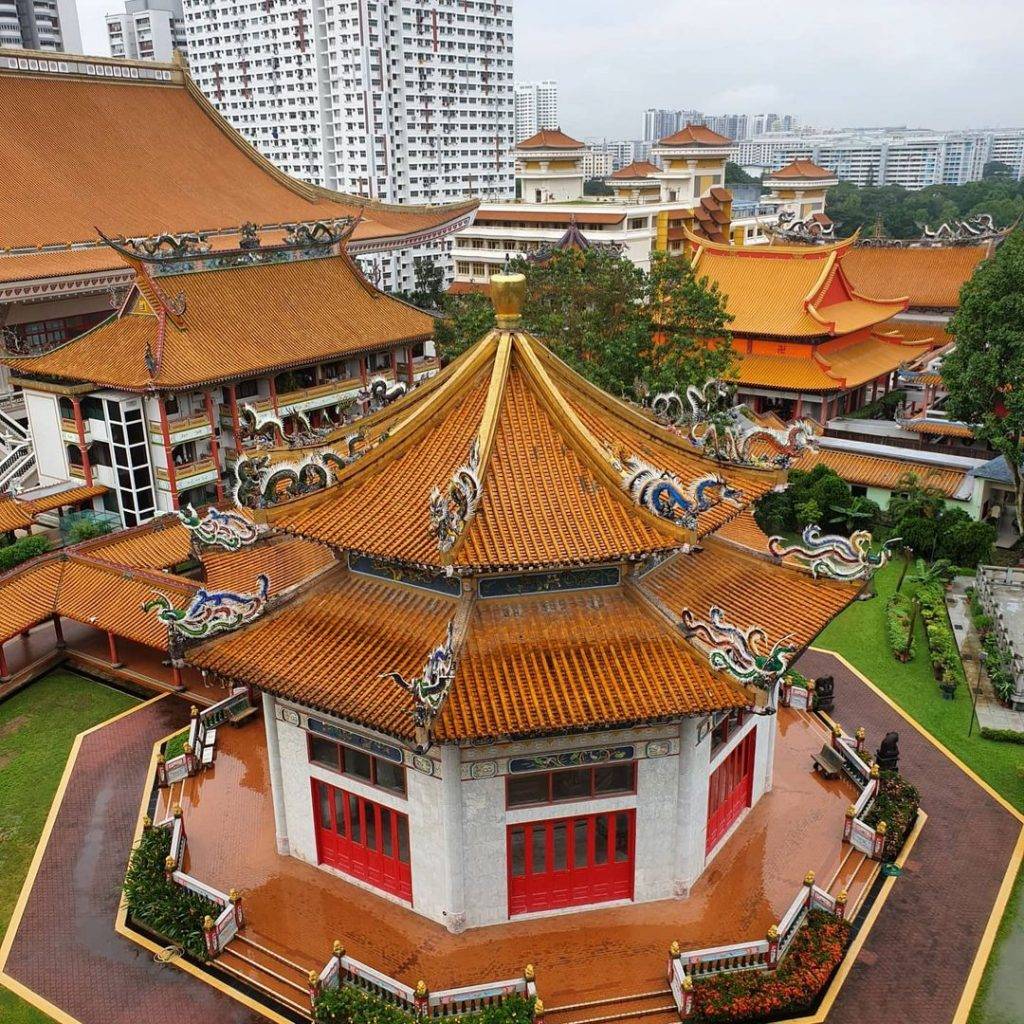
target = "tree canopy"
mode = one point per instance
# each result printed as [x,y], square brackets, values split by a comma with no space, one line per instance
[735,175]
[626,329]
[984,374]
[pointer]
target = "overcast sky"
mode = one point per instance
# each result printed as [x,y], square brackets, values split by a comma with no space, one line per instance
[923,63]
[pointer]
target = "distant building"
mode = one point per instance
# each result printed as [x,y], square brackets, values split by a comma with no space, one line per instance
[659,123]
[147,30]
[40,25]
[536,107]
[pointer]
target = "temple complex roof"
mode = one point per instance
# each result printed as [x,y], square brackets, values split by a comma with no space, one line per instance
[637,169]
[19,513]
[190,328]
[138,149]
[696,135]
[550,138]
[799,292]
[801,170]
[931,277]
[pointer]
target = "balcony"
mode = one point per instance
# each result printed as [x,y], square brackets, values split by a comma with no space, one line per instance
[314,397]
[189,474]
[181,429]
[424,366]
[69,431]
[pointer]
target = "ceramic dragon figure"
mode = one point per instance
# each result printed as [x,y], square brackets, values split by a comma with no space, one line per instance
[833,556]
[228,530]
[256,423]
[211,612]
[431,686]
[745,654]
[381,391]
[452,509]
[667,496]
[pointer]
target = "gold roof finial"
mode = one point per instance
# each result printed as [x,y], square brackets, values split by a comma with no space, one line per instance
[508,291]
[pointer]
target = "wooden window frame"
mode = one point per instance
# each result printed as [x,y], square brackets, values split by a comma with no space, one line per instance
[592,795]
[339,768]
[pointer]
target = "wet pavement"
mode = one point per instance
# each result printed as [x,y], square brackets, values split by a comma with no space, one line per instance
[65,948]
[919,953]
[299,910]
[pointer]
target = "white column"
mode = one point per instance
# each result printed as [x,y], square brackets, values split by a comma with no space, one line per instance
[276,782]
[692,809]
[451,799]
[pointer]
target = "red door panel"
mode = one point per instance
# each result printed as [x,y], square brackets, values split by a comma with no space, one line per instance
[730,789]
[364,839]
[568,862]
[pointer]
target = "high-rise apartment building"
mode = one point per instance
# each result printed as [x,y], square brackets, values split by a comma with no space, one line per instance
[40,25]
[536,107]
[659,123]
[403,103]
[147,30]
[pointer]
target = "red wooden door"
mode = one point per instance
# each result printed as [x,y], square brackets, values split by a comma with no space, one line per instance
[569,862]
[362,838]
[730,789]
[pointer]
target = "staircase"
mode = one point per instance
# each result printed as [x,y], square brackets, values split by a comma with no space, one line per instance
[17,457]
[855,873]
[655,1007]
[252,961]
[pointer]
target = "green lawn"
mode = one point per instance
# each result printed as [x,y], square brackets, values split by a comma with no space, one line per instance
[37,727]
[859,636]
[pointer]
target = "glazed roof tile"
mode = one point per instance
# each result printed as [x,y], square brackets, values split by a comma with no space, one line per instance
[28,595]
[161,543]
[801,169]
[695,135]
[550,138]
[789,291]
[19,513]
[939,428]
[878,471]
[287,561]
[637,169]
[237,322]
[140,158]
[549,663]
[930,277]
[742,531]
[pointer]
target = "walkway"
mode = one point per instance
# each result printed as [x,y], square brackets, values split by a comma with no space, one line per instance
[65,948]
[918,954]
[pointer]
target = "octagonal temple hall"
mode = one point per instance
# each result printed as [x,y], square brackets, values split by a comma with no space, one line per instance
[488,705]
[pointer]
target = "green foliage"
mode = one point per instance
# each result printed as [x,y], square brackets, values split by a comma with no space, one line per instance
[896,804]
[882,408]
[428,285]
[166,907]
[621,327]
[735,175]
[998,667]
[858,514]
[810,497]
[807,513]
[87,529]
[22,550]
[900,613]
[597,187]
[176,744]
[984,373]
[943,651]
[774,513]
[1002,735]
[348,1005]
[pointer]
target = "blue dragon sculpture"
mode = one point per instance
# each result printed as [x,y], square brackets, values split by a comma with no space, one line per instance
[211,612]
[431,686]
[227,530]
[744,654]
[665,495]
[833,556]
[451,511]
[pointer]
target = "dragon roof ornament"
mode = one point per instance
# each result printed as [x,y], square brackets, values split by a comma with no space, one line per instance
[228,530]
[833,556]
[452,510]
[807,231]
[665,495]
[259,483]
[745,654]
[955,233]
[431,686]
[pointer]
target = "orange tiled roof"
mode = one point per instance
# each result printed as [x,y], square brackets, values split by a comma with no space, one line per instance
[752,590]
[797,169]
[789,291]
[28,595]
[144,157]
[551,492]
[695,135]
[15,515]
[328,648]
[878,471]
[287,561]
[921,330]
[637,169]
[940,428]
[559,218]
[930,277]
[554,662]
[743,531]
[19,513]
[237,322]
[550,138]
[162,543]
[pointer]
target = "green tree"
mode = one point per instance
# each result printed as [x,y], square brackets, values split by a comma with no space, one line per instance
[984,373]
[997,170]
[597,187]
[857,514]
[939,571]
[735,175]
[465,319]
[428,287]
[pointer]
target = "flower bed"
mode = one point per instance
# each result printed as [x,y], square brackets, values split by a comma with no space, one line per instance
[162,906]
[793,988]
[895,803]
[899,621]
[348,1005]
[945,655]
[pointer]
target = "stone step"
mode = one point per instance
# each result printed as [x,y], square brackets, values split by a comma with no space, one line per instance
[645,1007]
[269,983]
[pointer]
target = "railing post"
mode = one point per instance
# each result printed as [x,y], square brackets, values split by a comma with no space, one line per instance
[773,946]
[809,882]
[784,692]
[170,866]
[161,771]
[859,736]
[191,762]
[530,977]
[538,1010]
[210,935]
[147,823]
[314,988]
[876,777]
[880,829]
[421,998]
[179,815]
[810,694]
[687,1007]
[837,735]
[851,813]
[235,899]
[338,952]
[841,901]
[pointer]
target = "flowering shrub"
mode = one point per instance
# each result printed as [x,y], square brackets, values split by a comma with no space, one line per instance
[896,804]
[945,655]
[794,987]
[348,1005]
[899,621]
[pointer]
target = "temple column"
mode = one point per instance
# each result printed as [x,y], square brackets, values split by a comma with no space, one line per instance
[214,443]
[799,407]
[115,662]
[276,781]
[364,373]
[236,431]
[691,806]
[76,405]
[451,802]
[165,430]
[279,434]
[408,366]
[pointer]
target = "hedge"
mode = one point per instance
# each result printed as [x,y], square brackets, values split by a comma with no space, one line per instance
[348,1005]
[1002,735]
[999,668]
[899,622]
[895,803]
[793,988]
[165,907]
[22,550]
[945,655]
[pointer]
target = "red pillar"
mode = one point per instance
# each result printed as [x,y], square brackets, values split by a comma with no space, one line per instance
[236,431]
[363,370]
[277,409]
[176,678]
[214,443]
[80,428]
[165,430]
[4,673]
[408,366]
[112,644]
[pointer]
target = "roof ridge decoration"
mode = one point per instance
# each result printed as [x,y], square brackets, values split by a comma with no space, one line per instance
[833,556]
[431,686]
[806,230]
[451,512]
[228,530]
[260,483]
[665,495]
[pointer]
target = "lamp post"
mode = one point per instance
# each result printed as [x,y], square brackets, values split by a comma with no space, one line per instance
[977,690]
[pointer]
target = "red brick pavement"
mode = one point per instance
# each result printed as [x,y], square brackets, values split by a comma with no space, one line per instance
[66,949]
[916,959]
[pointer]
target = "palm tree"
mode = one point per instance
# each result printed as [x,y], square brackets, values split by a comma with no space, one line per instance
[939,571]
[859,513]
